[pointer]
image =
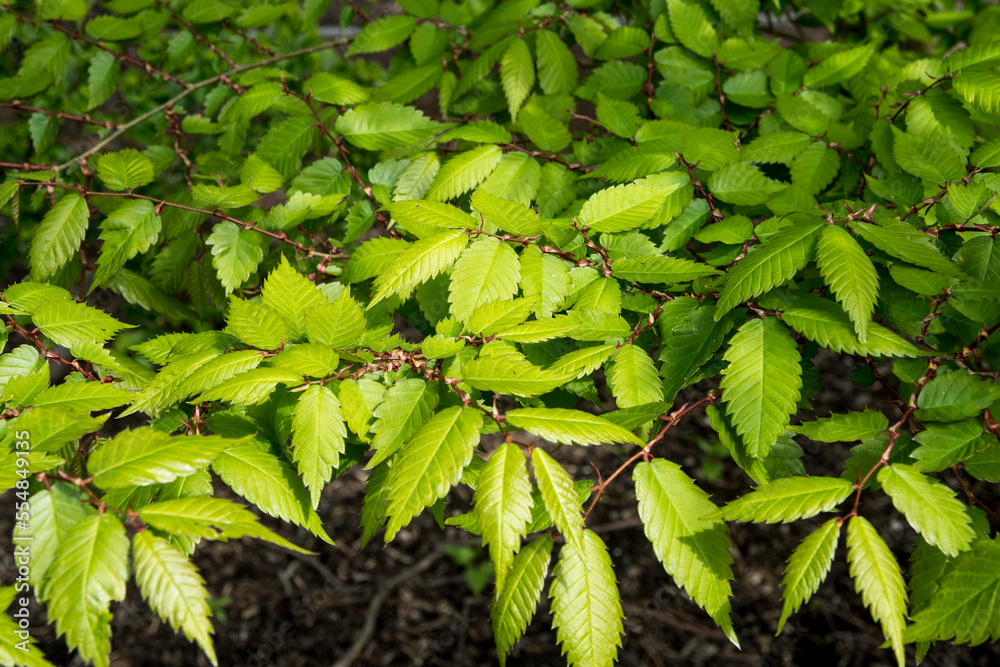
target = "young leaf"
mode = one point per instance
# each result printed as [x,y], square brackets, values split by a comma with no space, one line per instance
[292,296]
[504,375]
[83,396]
[421,261]
[557,68]
[879,580]
[693,550]
[929,506]
[59,235]
[407,405]
[69,322]
[545,279]
[318,434]
[236,252]
[463,172]
[845,427]
[807,568]
[622,207]
[125,170]
[761,386]
[787,499]
[569,427]
[487,270]
[518,597]
[559,496]
[826,323]
[382,34]
[502,504]
[839,67]
[517,73]
[431,464]
[633,378]
[174,589]
[851,276]
[82,582]
[256,324]
[129,230]
[341,324]
[586,610]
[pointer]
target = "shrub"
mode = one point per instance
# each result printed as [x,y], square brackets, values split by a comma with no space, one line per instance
[574,224]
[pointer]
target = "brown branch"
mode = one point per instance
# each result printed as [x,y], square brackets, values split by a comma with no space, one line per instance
[19,106]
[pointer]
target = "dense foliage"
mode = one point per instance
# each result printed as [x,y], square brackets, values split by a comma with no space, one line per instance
[476,229]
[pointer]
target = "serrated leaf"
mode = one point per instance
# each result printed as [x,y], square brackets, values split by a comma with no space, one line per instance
[318,433]
[559,496]
[761,386]
[463,172]
[84,396]
[925,158]
[58,236]
[964,607]
[954,395]
[129,230]
[385,125]
[488,270]
[944,445]
[502,503]
[658,269]
[543,130]
[407,405]
[69,322]
[569,427]
[518,597]
[236,253]
[743,184]
[851,276]
[846,427]
[269,483]
[693,550]
[51,427]
[419,262]
[251,387]
[879,580]
[507,376]
[839,67]
[382,34]
[125,170]
[375,502]
[787,499]
[174,589]
[102,78]
[815,168]
[146,456]
[692,28]
[340,324]
[826,323]
[431,464]
[83,580]
[507,215]
[557,68]
[769,265]
[807,568]
[633,378]
[930,507]
[517,73]
[586,609]
[545,279]
[980,90]
[256,325]
[292,296]
[622,207]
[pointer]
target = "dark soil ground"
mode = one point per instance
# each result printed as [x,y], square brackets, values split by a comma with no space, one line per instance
[282,609]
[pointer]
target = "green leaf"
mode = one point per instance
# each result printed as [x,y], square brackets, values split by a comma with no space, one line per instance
[102,78]
[269,483]
[559,497]
[89,573]
[51,427]
[930,507]
[617,116]
[761,386]
[944,445]
[502,503]
[83,396]
[382,125]
[54,513]
[419,262]
[236,252]
[487,270]
[129,230]
[964,607]
[59,236]
[375,502]
[340,324]
[217,371]
[497,316]
[660,270]
[251,387]
[980,90]
[815,168]
[693,550]
[839,67]
[545,279]
[543,130]
[879,580]
[692,28]
[557,68]
[174,589]
[954,395]
[372,258]
[622,207]
[826,323]
[787,499]
[507,215]
[214,518]
[743,184]
[846,427]
[255,324]
[517,73]
[463,172]
[318,433]
[771,264]
[415,215]
[925,158]
[851,276]
[633,378]
[518,597]
[69,322]
[331,89]
[235,196]
[13,650]
[569,427]
[292,296]
[407,405]
[287,141]
[145,456]
[807,568]
[125,170]
[382,34]
[430,464]
[586,609]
